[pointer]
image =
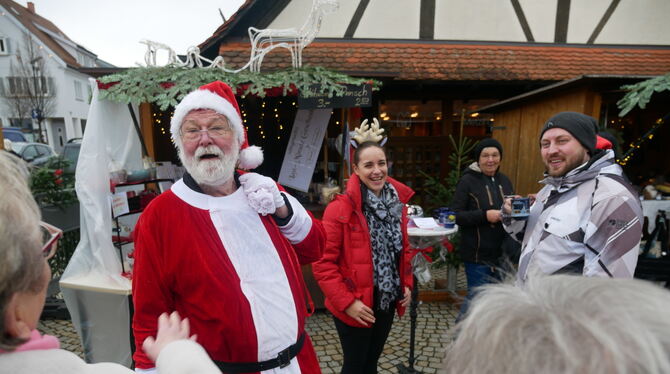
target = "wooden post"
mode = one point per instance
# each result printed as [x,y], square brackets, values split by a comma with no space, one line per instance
[147,128]
[2,140]
[343,166]
[325,157]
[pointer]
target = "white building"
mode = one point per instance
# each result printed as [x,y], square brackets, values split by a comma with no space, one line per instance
[67,87]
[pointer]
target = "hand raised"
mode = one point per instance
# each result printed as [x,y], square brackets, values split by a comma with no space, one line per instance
[262,193]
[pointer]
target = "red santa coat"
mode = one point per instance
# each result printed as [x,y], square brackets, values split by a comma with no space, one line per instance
[243,308]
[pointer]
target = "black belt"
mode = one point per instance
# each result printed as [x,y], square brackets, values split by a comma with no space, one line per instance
[283,360]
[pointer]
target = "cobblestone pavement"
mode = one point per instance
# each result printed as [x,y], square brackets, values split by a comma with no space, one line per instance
[433,321]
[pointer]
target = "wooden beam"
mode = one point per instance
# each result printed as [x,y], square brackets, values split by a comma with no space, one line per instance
[522,20]
[427,20]
[147,129]
[356,19]
[603,21]
[562,20]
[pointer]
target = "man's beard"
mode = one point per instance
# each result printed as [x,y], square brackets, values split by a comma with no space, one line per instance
[210,171]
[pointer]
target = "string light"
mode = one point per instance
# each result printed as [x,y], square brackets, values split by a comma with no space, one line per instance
[638,143]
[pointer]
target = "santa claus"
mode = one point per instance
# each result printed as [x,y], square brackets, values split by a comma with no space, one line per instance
[224,248]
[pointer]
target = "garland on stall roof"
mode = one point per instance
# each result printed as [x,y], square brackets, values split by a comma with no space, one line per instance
[165,86]
[639,94]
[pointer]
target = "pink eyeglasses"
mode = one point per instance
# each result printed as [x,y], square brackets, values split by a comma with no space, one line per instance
[50,236]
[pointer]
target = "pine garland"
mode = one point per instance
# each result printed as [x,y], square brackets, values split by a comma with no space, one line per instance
[640,93]
[166,86]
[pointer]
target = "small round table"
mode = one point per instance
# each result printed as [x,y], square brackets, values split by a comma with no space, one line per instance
[419,240]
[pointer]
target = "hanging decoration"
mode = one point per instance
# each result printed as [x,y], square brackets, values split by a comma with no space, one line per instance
[623,160]
[165,86]
[639,94]
[263,41]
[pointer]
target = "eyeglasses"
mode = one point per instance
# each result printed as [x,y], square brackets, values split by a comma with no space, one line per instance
[192,133]
[50,236]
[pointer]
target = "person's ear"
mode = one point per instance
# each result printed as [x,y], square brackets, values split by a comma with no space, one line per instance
[15,325]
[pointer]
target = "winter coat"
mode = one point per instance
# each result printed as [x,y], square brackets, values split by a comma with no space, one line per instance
[183,356]
[481,241]
[345,272]
[588,221]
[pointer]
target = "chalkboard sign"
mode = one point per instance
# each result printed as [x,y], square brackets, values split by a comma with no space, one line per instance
[354,96]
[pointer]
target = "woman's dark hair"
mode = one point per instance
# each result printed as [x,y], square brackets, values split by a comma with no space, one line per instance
[365,145]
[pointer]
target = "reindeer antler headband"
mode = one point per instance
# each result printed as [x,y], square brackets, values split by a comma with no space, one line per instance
[368,133]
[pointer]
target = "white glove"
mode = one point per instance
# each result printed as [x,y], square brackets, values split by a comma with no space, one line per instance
[262,193]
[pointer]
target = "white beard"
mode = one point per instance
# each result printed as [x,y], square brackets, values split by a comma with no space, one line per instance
[211,172]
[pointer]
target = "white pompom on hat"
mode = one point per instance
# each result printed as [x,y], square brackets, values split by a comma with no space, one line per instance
[220,98]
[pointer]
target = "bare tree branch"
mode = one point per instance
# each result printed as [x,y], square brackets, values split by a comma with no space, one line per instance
[30,92]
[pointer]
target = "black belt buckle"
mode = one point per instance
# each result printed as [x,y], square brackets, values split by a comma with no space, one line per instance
[284,358]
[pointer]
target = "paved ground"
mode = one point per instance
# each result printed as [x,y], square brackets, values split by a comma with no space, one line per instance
[433,321]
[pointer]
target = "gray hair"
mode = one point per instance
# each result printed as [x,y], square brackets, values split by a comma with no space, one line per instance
[20,240]
[565,324]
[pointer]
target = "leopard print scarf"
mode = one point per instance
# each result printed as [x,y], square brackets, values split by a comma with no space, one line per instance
[383,215]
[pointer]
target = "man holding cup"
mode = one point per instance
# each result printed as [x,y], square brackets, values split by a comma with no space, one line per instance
[587,218]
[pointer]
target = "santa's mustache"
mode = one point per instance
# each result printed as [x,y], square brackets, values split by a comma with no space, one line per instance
[210,151]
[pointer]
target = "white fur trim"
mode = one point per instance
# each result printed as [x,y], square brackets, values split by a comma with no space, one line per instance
[205,99]
[251,157]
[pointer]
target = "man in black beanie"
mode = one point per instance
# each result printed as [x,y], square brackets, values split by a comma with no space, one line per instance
[587,218]
[567,140]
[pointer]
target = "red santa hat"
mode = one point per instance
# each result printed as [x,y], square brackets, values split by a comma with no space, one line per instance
[220,98]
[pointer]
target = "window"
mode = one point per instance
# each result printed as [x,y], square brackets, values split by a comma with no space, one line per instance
[23,86]
[17,86]
[44,150]
[3,46]
[78,91]
[30,153]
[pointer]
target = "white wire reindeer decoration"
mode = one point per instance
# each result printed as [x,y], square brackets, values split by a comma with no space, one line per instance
[262,41]
[295,40]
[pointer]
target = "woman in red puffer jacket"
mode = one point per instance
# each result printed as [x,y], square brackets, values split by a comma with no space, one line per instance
[365,272]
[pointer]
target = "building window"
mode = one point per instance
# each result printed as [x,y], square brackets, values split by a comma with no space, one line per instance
[17,86]
[23,86]
[78,91]
[3,46]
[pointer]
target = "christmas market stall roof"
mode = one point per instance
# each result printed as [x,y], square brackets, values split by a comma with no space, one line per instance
[617,80]
[165,86]
[460,61]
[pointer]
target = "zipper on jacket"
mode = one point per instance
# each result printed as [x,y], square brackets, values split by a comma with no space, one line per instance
[477,227]
[488,192]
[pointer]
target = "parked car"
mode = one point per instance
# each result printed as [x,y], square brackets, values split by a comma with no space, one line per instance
[71,154]
[35,154]
[14,134]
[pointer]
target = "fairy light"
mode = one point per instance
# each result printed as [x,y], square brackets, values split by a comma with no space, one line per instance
[640,141]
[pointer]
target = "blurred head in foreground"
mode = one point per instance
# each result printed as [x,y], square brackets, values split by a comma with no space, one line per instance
[565,324]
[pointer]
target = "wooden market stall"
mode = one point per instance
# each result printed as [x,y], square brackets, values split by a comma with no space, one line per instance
[518,122]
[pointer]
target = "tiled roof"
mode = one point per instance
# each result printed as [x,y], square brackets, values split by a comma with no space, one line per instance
[31,21]
[465,62]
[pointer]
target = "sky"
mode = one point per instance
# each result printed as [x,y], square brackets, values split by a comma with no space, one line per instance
[113,29]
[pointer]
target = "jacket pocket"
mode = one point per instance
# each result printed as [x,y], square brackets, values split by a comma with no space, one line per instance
[564,221]
[348,277]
